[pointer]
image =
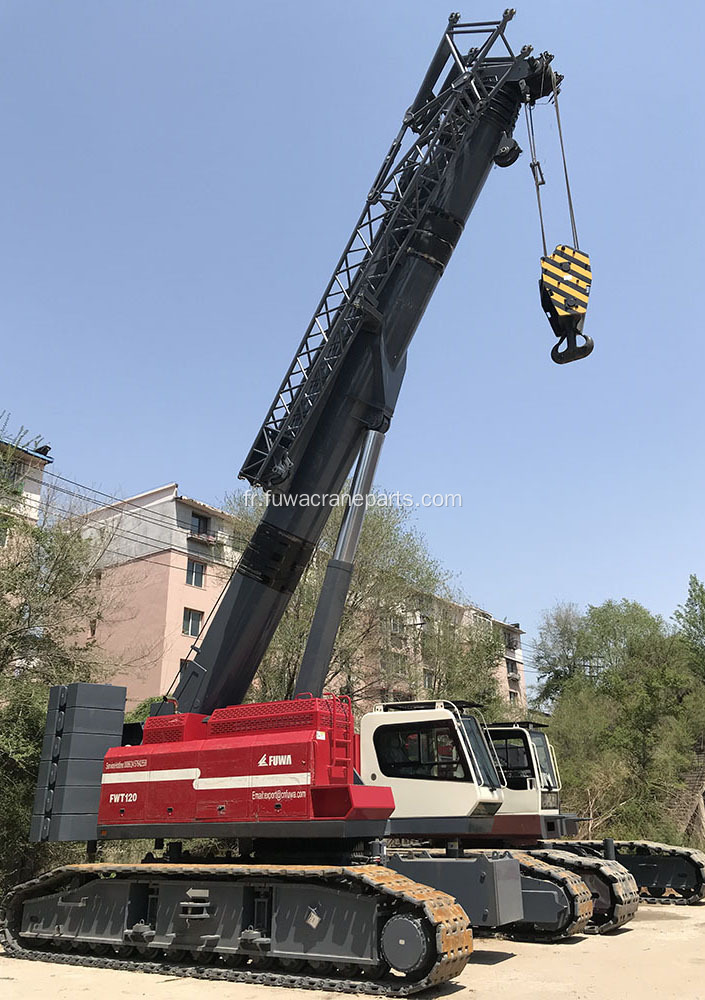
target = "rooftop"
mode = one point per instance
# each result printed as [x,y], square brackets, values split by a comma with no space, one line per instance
[200,505]
[39,454]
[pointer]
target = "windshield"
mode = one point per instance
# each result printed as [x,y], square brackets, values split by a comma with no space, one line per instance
[488,772]
[543,754]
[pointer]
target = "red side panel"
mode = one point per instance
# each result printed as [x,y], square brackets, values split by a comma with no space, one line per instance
[289,760]
[352,802]
[245,778]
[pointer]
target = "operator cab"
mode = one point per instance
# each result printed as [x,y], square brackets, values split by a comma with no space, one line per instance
[529,764]
[435,758]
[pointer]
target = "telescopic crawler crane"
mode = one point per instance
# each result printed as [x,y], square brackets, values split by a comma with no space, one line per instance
[306,899]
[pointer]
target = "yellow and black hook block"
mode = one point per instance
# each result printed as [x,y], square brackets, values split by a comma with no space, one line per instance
[565,287]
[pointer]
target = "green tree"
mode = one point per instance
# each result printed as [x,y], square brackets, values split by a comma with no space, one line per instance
[572,643]
[48,597]
[614,631]
[690,619]
[560,651]
[626,720]
[460,658]
[594,773]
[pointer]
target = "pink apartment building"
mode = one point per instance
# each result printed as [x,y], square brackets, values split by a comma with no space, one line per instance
[167,560]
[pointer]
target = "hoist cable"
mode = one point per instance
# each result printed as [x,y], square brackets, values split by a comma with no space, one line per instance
[565,163]
[536,171]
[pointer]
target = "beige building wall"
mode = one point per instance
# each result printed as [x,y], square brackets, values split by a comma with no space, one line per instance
[510,671]
[26,468]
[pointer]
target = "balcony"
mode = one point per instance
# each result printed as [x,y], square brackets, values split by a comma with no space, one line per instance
[204,539]
[512,669]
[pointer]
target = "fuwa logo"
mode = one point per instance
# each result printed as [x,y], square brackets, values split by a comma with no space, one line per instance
[274,760]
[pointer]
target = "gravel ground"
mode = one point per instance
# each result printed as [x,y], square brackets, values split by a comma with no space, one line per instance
[660,955]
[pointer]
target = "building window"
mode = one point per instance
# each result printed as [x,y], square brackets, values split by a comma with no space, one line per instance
[512,668]
[199,524]
[195,571]
[192,621]
[482,622]
[513,697]
[428,680]
[18,470]
[426,750]
[393,662]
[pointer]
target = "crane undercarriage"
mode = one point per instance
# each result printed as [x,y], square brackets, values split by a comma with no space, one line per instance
[334,927]
[562,894]
[323,926]
[362,927]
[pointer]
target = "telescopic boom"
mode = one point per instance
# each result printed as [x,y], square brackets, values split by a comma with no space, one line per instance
[346,375]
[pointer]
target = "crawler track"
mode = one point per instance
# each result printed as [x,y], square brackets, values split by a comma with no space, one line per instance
[614,890]
[442,920]
[574,916]
[663,873]
[577,893]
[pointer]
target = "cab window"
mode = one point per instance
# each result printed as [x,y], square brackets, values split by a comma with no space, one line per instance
[549,779]
[513,754]
[427,750]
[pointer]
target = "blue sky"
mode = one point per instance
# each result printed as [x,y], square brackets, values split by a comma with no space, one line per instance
[178,181]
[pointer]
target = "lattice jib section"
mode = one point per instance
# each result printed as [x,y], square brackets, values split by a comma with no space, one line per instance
[412,173]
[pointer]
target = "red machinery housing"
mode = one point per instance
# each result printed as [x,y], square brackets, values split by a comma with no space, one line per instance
[273,762]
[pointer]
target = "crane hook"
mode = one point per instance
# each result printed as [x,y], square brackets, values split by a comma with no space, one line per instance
[565,286]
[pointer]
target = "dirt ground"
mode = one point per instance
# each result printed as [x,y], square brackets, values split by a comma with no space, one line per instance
[660,955]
